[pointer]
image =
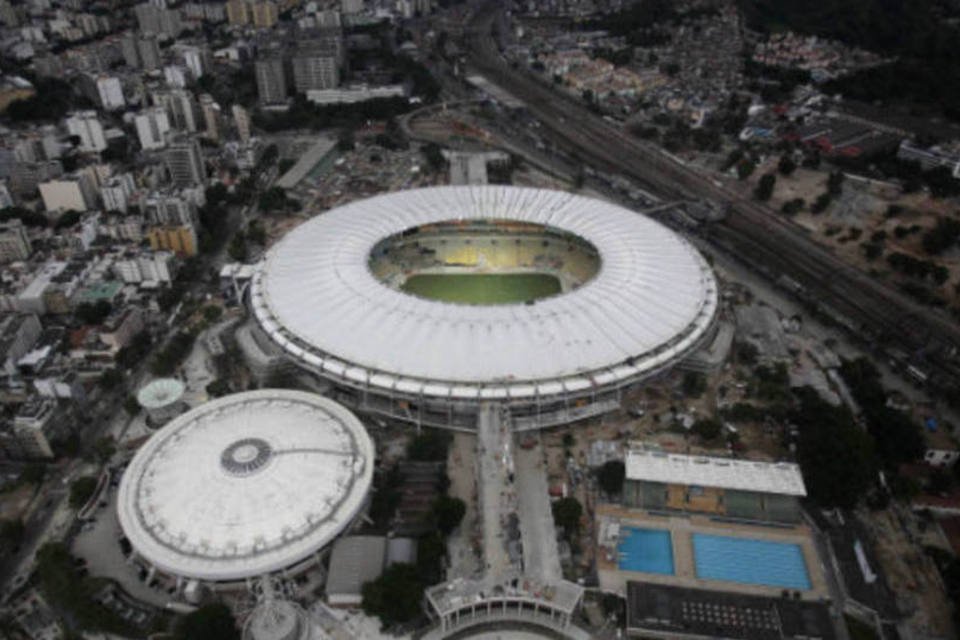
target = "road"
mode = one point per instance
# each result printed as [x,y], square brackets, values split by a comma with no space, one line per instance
[876,311]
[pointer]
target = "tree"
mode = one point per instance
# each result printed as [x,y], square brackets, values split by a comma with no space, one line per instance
[395,596]
[33,473]
[835,183]
[708,428]
[745,168]
[238,248]
[11,534]
[765,187]
[212,312]
[793,207]
[111,378]
[93,313]
[567,513]
[611,476]
[131,406]
[209,622]
[345,140]
[787,165]
[835,455]
[448,512]
[104,448]
[821,203]
[81,489]
[430,445]
[694,384]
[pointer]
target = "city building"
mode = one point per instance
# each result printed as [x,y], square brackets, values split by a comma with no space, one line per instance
[181,239]
[211,116]
[184,162]
[315,69]
[241,119]
[18,334]
[148,50]
[293,469]
[175,76]
[110,92]
[152,127]
[75,192]
[438,370]
[146,267]
[169,208]
[722,487]
[86,126]
[271,81]
[36,428]
[162,400]
[14,242]
[120,328]
[116,192]
[238,12]
[351,6]
[264,13]
[180,106]
[130,49]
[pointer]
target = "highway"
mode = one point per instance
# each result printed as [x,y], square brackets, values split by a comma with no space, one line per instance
[877,312]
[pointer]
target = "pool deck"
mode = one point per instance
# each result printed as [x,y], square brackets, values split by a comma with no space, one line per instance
[682,528]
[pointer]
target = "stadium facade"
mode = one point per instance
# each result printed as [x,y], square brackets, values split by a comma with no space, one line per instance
[244,486]
[634,299]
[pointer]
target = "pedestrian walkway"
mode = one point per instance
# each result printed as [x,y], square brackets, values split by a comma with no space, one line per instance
[541,558]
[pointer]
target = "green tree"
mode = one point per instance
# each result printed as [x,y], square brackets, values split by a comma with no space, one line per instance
[835,455]
[111,378]
[238,248]
[708,428]
[131,406]
[395,596]
[694,384]
[835,183]
[745,167]
[212,312]
[448,512]
[787,165]
[33,473]
[765,187]
[81,489]
[11,534]
[611,476]
[567,513]
[209,622]
[430,445]
[93,313]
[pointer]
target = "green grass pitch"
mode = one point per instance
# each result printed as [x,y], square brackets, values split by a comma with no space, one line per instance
[481,288]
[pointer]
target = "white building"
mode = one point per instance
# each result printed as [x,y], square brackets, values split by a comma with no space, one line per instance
[351,6]
[116,192]
[75,192]
[193,59]
[152,127]
[356,93]
[180,106]
[86,126]
[111,93]
[175,76]
[149,266]
[14,243]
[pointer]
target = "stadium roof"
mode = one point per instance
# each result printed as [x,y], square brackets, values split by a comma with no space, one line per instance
[160,393]
[246,484]
[726,473]
[652,301]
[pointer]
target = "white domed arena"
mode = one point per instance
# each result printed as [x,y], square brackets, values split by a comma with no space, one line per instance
[244,486]
[423,304]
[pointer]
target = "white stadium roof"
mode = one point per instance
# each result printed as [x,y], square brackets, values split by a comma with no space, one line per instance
[651,302]
[160,393]
[246,484]
[725,473]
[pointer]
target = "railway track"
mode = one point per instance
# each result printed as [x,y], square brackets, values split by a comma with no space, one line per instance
[884,314]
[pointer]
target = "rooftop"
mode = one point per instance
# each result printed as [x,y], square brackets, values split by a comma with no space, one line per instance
[246,485]
[726,473]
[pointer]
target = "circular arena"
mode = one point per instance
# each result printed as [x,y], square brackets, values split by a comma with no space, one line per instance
[245,485]
[424,304]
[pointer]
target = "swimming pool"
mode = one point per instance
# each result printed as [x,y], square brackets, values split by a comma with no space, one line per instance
[748,561]
[646,550]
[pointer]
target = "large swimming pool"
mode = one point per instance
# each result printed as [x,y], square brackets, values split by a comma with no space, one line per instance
[748,561]
[646,550]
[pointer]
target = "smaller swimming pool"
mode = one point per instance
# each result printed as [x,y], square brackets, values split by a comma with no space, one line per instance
[748,561]
[645,550]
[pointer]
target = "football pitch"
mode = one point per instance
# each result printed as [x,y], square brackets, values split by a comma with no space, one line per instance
[482,288]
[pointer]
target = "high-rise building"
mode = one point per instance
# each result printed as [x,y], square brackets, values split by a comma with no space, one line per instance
[110,92]
[351,6]
[130,50]
[193,59]
[211,116]
[86,126]
[315,68]
[116,192]
[75,192]
[271,81]
[180,106]
[265,14]
[149,50]
[175,76]
[14,243]
[242,121]
[238,12]
[154,20]
[184,161]
[182,240]
[169,209]
[152,127]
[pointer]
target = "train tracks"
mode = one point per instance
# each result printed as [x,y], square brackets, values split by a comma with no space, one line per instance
[759,236]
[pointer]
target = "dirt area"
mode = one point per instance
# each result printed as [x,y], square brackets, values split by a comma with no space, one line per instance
[464,543]
[860,212]
[910,572]
[15,502]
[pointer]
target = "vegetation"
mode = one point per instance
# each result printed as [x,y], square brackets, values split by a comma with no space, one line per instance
[694,384]
[209,622]
[54,98]
[942,236]
[611,476]
[276,199]
[395,596]
[567,513]
[81,490]
[765,187]
[708,428]
[93,312]
[898,439]
[835,455]
[430,445]
[11,534]
[61,583]
[166,361]
[448,512]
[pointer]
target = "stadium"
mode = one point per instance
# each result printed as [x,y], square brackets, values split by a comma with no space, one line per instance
[244,486]
[422,305]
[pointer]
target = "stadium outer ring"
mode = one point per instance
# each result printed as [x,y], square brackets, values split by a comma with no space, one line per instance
[653,302]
